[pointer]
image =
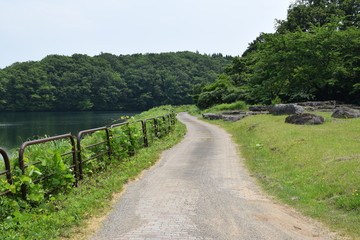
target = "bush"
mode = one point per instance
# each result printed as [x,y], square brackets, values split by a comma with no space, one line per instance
[239,105]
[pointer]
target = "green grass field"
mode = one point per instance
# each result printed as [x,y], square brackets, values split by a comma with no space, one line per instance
[316,169]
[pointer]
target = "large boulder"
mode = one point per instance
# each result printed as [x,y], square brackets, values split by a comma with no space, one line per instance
[305,118]
[286,109]
[212,116]
[345,112]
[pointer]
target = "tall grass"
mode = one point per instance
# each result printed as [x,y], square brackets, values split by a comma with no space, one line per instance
[192,109]
[239,105]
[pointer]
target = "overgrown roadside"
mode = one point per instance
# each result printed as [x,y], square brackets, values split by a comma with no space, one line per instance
[315,169]
[144,159]
[68,215]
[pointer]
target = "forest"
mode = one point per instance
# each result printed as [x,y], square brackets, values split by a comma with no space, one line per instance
[106,82]
[313,55]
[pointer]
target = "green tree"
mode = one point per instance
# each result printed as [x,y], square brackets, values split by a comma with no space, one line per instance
[304,14]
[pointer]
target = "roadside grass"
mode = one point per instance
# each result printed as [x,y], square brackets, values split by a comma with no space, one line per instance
[192,109]
[315,169]
[239,105]
[154,112]
[68,215]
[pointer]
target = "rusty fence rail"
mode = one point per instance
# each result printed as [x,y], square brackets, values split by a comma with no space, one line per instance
[164,125]
[119,131]
[24,166]
[7,170]
[81,148]
[140,133]
[136,134]
[152,129]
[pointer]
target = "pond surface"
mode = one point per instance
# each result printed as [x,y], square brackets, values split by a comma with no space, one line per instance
[17,127]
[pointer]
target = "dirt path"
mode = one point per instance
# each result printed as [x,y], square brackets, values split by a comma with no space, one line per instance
[200,190]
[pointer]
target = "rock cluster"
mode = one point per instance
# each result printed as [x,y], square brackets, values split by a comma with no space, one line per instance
[295,110]
[297,115]
[212,116]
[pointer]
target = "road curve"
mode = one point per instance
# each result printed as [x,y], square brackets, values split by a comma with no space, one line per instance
[200,190]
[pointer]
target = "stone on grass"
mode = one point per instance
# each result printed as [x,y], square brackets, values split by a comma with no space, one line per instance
[233,118]
[345,112]
[305,118]
[318,103]
[212,116]
[257,113]
[286,109]
[235,112]
[259,108]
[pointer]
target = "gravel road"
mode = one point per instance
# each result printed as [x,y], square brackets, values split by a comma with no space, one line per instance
[201,190]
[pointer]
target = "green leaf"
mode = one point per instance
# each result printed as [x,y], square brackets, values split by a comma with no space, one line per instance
[25,179]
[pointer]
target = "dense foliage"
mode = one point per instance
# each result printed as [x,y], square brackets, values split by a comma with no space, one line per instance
[50,170]
[57,215]
[314,55]
[304,14]
[106,81]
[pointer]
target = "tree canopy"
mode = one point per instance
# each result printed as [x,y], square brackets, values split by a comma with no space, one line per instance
[106,81]
[304,14]
[314,55]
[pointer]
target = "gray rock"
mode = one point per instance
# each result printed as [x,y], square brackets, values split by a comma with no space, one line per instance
[324,110]
[305,118]
[212,116]
[345,112]
[233,118]
[286,109]
[257,113]
[354,107]
[318,103]
[309,109]
[259,108]
[236,112]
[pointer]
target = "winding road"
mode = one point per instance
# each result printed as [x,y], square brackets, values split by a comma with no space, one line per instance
[201,190]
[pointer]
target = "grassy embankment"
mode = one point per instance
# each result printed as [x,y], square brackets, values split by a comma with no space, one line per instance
[315,169]
[70,214]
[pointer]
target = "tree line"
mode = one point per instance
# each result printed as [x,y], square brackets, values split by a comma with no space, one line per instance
[313,55]
[106,82]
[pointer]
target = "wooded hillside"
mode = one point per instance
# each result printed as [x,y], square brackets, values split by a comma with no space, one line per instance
[106,81]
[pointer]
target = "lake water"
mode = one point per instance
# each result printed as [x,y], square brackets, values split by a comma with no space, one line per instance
[17,127]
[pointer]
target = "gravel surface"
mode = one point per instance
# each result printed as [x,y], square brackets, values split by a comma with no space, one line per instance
[201,190]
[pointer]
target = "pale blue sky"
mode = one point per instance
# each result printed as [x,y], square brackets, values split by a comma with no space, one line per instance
[33,29]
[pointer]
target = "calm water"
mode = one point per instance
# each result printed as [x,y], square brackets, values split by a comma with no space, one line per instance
[15,128]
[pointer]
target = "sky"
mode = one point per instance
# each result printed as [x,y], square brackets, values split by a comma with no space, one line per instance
[32,29]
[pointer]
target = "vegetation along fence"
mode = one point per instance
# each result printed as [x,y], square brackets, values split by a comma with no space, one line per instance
[49,164]
[7,171]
